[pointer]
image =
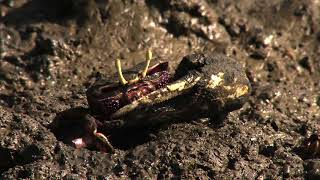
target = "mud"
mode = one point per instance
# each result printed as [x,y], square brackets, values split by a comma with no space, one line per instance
[52,51]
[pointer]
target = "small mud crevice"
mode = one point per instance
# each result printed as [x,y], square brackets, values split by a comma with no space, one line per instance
[54,11]
[10,158]
[125,139]
[6,159]
[179,17]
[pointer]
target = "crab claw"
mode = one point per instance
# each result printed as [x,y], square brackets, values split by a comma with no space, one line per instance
[79,143]
[106,145]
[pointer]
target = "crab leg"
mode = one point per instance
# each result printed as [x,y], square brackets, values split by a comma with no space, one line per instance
[148,59]
[123,81]
[104,139]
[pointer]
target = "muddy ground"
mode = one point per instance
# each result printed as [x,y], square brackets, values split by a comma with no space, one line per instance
[51,51]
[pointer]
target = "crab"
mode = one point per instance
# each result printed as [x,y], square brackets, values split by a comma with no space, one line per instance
[204,85]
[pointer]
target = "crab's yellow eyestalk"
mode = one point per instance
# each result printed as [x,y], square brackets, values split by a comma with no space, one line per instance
[122,80]
[148,59]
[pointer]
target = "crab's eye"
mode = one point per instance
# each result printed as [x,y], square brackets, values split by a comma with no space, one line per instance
[122,80]
[148,60]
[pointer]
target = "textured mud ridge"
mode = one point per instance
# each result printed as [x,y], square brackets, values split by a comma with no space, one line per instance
[51,52]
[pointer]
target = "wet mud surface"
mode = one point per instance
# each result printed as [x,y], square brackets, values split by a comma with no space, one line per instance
[52,51]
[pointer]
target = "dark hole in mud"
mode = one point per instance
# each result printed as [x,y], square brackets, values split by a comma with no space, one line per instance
[128,138]
[10,158]
[70,125]
[53,11]
[6,159]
